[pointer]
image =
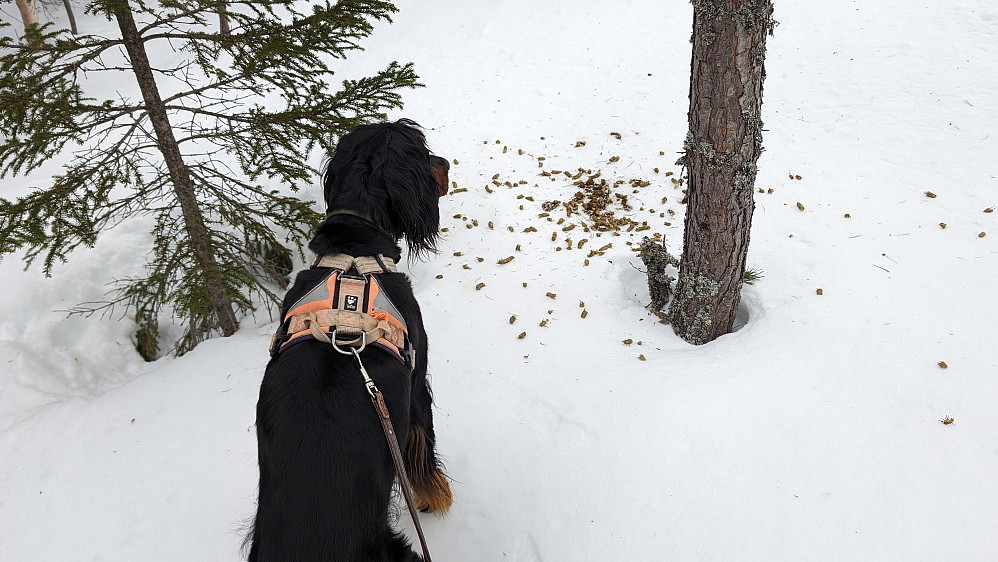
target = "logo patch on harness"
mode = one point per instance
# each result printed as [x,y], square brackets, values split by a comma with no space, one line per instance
[350,303]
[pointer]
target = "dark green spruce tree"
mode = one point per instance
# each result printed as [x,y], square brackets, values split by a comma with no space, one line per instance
[202,118]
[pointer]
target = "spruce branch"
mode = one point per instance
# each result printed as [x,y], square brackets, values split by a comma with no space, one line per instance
[242,108]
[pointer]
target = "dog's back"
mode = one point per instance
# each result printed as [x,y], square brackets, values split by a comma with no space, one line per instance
[324,469]
[326,473]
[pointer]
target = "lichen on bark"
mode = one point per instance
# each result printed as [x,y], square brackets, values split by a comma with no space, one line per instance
[657,258]
[721,151]
[696,329]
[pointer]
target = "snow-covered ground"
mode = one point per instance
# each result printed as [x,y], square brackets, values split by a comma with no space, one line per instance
[812,433]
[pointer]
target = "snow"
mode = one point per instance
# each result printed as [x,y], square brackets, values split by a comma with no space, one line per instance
[811,433]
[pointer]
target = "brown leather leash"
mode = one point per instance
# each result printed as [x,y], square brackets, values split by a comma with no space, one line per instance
[358,323]
[381,409]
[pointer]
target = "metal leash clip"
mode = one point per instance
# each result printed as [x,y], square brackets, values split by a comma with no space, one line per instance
[354,350]
[368,382]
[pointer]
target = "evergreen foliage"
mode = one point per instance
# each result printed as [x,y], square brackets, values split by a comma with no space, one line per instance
[752,275]
[245,107]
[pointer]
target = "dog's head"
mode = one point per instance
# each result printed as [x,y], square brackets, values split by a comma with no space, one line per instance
[385,173]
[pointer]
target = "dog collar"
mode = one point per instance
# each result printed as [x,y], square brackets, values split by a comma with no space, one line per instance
[365,217]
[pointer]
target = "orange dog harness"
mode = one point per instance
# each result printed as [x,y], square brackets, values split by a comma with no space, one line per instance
[348,306]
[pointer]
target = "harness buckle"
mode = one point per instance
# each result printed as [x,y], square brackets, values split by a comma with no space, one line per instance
[280,337]
[410,355]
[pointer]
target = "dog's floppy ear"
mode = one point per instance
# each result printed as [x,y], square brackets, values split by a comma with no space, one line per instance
[328,180]
[440,168]
[403,168]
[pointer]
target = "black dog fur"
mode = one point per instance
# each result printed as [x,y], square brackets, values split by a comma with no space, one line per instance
[326,473]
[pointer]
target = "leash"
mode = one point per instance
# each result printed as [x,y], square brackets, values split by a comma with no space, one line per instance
[381,409]
[341,303]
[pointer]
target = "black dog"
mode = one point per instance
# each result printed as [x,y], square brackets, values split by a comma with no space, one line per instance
[326,473]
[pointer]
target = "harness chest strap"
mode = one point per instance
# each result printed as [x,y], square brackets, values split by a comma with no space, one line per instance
[347,323]
[365,265]
[350,306]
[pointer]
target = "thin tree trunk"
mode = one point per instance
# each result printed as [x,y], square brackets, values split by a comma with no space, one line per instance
[223,18]
[221,304]
[721,150]
[72,17]
[29,15]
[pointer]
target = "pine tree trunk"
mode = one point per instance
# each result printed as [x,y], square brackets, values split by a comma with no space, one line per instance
[221,304]
[721,150]
[72,17]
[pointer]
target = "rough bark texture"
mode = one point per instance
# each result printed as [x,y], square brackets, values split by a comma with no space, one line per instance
[220,303]
[721,149]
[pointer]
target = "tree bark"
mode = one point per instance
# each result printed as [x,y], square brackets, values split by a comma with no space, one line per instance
[72,17]
[29,14]
[180,177]
[223,18]
[721,150]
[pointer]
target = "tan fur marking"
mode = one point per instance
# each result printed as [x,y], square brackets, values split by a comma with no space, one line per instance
[430,487]
[443,180]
